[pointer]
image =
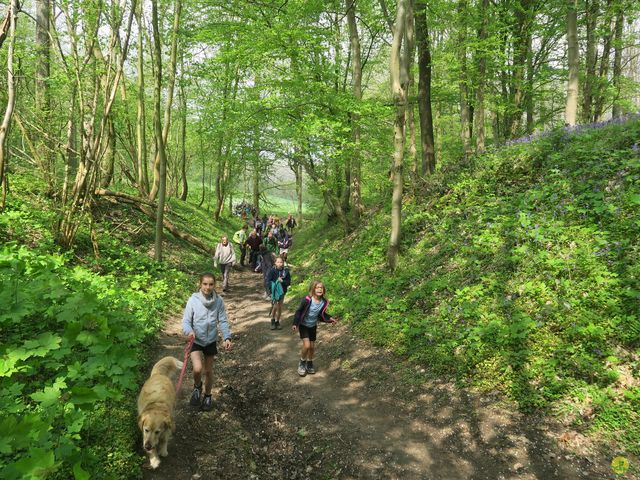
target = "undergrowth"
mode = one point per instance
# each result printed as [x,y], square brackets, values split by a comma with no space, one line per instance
[77,328]
[520,272]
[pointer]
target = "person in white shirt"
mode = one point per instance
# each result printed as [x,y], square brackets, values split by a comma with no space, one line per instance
[225,256]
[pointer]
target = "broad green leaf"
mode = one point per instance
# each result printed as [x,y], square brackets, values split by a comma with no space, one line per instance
[51,394]
[80,473]
[37,464]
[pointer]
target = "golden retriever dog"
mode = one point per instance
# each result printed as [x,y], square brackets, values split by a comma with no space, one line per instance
[155,409]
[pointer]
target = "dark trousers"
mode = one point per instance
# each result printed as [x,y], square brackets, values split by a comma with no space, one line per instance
[253,257]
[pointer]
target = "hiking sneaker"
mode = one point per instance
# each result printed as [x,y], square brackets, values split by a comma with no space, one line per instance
[309,367]
[207,403]
[302,368]
[273,324]
[195,396]
[278,327]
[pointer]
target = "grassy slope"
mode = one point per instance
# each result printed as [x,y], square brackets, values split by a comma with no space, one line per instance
[122,289]
[519,272]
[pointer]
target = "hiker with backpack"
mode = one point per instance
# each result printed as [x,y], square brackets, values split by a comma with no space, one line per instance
[312,309]
[291,223]
[278,280]
[271,243]
[284,243]
[253,242]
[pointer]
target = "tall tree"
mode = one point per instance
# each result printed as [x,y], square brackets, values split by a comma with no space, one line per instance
[400,64]
[522,53]
[617,59]
[482,52]
[357,208]
[173,61]
[183,135]
[592,10]
[466,120]
[43,101]
[428,153]
[96,98]
[410,120]
[12,17]
[141,139]
[157,128]
[571,108]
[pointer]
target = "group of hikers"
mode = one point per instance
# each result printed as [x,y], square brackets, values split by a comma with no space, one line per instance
[266,248]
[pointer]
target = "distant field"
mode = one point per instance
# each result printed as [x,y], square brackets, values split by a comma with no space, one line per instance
[278,203]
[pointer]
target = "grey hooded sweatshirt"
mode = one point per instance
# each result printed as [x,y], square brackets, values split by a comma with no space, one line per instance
[202,316]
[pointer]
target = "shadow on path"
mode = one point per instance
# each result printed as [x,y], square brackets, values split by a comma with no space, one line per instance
[354,419]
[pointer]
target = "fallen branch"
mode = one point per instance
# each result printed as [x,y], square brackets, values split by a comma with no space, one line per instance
[124,197]
[196,242]
[148,208]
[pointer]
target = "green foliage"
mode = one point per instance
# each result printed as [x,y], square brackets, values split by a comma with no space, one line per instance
[521,274]
[73,327]
[70,344]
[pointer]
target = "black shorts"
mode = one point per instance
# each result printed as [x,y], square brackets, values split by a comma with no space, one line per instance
[209,351]
[308,332]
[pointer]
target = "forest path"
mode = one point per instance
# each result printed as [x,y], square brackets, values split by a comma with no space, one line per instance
[354,419]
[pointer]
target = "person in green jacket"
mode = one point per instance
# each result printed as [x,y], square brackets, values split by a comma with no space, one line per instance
[240,239]
[271,243]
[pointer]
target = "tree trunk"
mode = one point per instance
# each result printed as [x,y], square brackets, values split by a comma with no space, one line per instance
[183,143]
[229,93]
[399,83]
[571,108]
[617,61]
[173,61]
[344,190]
[221,166]
[410,123]
[71,155]
[299,192]
[591,60]
[157,127]
[482,73]
[528,99]
[14,8]
[428,164]
[43,103]
[143,175]
[522,52]
[357,208]
[257,170]
[110,155]
[600,90]
[100,101]
[463,83]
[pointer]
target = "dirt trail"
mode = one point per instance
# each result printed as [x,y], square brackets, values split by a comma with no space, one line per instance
[354,419]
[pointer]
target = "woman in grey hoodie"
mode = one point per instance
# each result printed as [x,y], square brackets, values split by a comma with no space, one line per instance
[205,310]
[225,256]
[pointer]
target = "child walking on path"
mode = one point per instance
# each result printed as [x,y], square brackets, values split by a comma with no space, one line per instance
[205,310]
[312,308]
[278,280]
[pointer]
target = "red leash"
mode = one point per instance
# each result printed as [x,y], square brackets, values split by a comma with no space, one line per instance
[187,350]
